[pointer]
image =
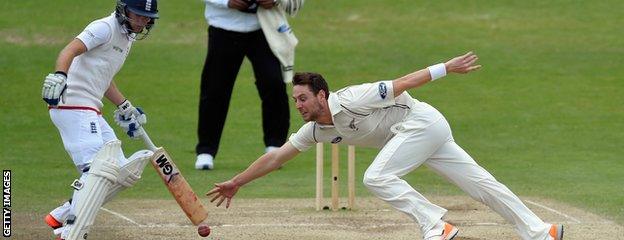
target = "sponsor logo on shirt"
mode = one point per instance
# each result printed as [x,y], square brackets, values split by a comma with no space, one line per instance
[383,90]
[90,33]
[336,140]
[118,49]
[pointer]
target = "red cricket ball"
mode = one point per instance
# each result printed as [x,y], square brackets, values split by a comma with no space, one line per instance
[203,230]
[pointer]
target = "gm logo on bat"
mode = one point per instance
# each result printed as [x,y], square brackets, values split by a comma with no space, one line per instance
[166,168]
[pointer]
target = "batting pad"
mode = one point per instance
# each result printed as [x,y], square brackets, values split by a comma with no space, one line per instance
[129,173]
[90,197]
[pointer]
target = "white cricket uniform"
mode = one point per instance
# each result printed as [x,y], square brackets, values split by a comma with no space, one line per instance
[410,133]
[78,116]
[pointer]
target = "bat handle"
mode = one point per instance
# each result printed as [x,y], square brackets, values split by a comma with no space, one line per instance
[148,142]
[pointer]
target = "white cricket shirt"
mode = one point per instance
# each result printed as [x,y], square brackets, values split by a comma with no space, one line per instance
[363,115]
[218,14]
[91,73]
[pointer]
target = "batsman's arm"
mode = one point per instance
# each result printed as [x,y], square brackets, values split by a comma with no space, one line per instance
[461,64]
[113,94]
[262,166]
[67,55]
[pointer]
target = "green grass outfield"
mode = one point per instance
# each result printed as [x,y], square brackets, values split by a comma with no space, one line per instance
[544,114]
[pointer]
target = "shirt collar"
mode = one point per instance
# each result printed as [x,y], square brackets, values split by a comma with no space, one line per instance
[334,108]
[334,104]
[321,126]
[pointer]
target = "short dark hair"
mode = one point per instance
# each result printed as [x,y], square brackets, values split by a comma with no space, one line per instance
[314,81]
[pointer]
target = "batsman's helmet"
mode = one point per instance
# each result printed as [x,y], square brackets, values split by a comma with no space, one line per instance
[146,8]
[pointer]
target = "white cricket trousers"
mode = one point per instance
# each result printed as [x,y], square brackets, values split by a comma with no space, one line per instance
[425,138]
[83,132]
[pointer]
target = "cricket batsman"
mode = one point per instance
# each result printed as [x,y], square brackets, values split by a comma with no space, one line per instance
[408,133]
[83,76]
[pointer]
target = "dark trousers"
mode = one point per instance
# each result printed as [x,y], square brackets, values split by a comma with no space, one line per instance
[226,51]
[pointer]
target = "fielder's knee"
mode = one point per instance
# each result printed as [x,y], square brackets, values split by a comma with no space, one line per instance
[374,181]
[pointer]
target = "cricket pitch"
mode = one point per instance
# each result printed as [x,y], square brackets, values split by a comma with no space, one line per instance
[297,219]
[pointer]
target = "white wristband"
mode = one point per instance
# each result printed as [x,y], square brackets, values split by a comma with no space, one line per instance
[437,71]
[124,105]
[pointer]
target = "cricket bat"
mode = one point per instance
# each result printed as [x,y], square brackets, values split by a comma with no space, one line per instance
[175,182]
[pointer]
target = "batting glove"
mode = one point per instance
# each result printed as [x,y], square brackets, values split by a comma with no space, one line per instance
[127,111]
[131,125]
[54,86]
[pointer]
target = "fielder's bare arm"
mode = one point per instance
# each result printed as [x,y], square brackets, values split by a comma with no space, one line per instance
[83,75]
[409,133]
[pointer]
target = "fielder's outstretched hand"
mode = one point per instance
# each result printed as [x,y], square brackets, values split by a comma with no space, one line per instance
[463,64]
[223,191]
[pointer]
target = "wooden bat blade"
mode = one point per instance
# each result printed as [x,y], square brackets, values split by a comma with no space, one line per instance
[178,186]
